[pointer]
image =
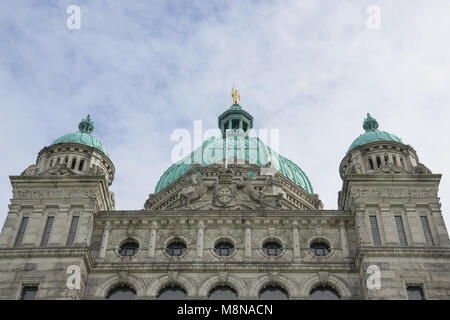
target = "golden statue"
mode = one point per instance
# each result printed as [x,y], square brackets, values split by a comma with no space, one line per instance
[235,94]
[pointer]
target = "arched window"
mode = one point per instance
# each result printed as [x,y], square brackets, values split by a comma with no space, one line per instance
[176,248]
[222,293]
[172,292]
[121,292]
[273,292]
[224,249]
[128,249]
[320,249]
[324,293]
[272,248]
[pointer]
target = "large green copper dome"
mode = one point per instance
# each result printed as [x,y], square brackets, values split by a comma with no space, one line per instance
[83,136]
[249,149]
[372,134]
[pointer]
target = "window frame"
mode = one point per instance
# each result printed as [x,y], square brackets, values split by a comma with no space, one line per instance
[129,242]
[176,241]
[267,251]
[28,285]
[21,231]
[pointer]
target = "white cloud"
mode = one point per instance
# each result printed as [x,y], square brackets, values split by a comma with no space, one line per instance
[142,69]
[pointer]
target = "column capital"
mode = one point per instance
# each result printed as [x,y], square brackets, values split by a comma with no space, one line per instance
[64,207]
[39,208]
[107,225]
[435,206]
[384,206]
[410,206]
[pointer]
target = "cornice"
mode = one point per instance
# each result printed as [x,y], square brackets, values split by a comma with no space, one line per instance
[395,252]
[228,266]
[54,252]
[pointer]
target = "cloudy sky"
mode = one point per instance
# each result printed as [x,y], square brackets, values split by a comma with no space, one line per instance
[142,69]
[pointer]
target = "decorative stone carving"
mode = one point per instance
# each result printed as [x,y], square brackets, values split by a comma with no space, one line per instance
[195,191]
[354,169]
[391,192]
[421,169]
[96,171]
[149,202]
[224,195]
[71,193]
[58,170]
[30,171]
[390,168]
[252,193]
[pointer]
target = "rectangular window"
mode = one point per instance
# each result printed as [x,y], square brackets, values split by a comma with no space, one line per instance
[22,228]
[28,292]
[378,161]
[72,230]
[426,231]
[400,230]
[371,164]
[74,162]
[47,230]
[375,232]
[415,292]
[51,163]
[80,167]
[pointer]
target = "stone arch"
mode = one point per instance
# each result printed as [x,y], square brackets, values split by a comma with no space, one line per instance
[108,283]
[223,279]
[325,279]
[269,279]
[172,278]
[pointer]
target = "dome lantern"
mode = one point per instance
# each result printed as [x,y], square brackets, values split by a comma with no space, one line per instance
[235,117]
[370,123]
[86,125]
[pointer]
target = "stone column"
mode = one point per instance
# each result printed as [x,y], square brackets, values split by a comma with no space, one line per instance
[10,227]
[35,227]
[200,234]
[295,240]
[390,229]
[440,225]
[362,226]
[415,225]
[152,246]
[344,241]
[85,227]
[248,240]
[58,233]
[105,240]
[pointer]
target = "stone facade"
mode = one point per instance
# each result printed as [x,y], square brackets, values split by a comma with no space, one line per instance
[213,204]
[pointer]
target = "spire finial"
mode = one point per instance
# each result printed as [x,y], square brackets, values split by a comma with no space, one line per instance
[86,125]
[235,94]
[370,123]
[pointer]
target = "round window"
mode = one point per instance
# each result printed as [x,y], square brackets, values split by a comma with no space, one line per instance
[224,249]
[128,249]
[176,248]
[320,249]
[272,248]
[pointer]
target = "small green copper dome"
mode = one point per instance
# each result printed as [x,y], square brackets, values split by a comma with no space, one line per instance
[372,134]
[84,136]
